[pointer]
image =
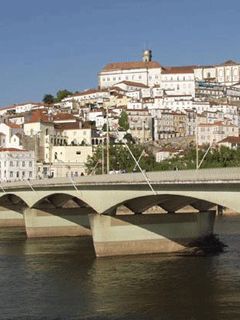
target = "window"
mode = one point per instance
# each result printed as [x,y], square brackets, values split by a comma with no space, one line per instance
[23,163]
[11,163]
[30,174]
[78,152]
[30,163]
[11,174]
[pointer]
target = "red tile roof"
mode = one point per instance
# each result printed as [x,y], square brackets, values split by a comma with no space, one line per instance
[133,84]
[87,92]
[231,139]
[183,69]
[13,125]
[130,65]
[37,116]
[229,63]
[68,126]
[63,116]
[11,149]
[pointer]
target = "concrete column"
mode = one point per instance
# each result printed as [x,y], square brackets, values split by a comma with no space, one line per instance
[11,217]
[219,210]
[147,233]
[57,222]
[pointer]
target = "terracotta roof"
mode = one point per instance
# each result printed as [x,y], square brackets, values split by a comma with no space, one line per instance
[87,92]
[11,149]
[23,104]
[231,139]
[169,149]
[130,65]
[216,123]
[183,69]
[37,116]
[13,125]
[63,116]
[68,126]
[229,63]
[133,84]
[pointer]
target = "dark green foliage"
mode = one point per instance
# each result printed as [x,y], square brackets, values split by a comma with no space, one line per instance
[61,94]
[48,99]
[120,159]
[216,158]
[123,121]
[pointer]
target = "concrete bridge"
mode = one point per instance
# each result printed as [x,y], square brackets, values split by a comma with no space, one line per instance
[90,206]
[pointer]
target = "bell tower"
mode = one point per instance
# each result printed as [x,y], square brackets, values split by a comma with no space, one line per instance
[147,55]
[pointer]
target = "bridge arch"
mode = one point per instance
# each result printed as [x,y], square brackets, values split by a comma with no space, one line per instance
[60,200]
[173,201]
[8,200]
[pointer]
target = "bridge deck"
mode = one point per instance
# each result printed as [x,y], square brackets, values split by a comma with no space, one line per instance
[216,175]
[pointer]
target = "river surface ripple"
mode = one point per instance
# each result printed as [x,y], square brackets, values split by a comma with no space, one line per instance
[60,278]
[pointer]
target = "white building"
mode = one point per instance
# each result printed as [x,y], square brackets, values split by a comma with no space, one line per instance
[69,161]
[147,72]
[75,134]
[209,133]
[178,80]
[227,73]
[10,134]
[16,164]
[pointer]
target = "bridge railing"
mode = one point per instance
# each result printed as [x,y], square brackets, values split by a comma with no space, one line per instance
[182,176]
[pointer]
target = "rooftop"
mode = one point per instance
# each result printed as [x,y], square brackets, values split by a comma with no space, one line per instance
[130,65]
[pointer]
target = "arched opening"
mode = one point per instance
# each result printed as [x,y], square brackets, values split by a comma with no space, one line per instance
[11,211]
[58,214]
[12,202]
[161,204]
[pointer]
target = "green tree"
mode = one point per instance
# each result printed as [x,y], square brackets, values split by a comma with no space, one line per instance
[48,98]
[61,94]
[129,138]
[120,158]
[123,121]
[104,127]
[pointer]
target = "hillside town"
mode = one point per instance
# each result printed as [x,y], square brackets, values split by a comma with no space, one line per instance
[165,107]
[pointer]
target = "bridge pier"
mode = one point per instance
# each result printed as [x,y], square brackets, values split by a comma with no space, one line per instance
[11,216]
[57,222]
[148,233]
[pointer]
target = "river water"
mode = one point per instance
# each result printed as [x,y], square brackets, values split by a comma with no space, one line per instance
[60,278]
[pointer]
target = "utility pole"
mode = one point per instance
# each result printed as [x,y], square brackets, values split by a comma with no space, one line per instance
[107,143]
[102,157]
[196,142]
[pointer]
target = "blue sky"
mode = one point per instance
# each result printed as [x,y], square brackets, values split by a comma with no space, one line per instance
[55,44]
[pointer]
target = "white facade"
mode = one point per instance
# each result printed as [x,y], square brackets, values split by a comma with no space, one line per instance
[212,133]
[16,164]
[78,136]
[69,161]
[178,81]
[147,72]
[7,131]
[227,73]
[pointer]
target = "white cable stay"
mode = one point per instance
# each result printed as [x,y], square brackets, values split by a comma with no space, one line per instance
[28,182]
[2,187]
[73,183]
[139,167]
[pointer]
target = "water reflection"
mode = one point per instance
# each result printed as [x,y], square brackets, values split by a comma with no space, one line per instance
[61,279]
